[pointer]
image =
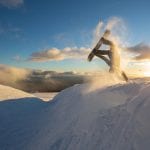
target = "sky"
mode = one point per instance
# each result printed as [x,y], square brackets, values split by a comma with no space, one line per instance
[55,34]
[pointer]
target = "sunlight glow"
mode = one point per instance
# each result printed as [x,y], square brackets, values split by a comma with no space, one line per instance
[146,69]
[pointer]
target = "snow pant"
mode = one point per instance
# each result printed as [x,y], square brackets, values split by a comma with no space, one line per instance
[101,54]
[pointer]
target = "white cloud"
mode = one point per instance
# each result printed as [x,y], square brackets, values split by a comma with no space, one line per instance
[11,3]
[59,54]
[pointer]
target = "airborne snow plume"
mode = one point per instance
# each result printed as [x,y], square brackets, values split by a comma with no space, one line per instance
[103,80]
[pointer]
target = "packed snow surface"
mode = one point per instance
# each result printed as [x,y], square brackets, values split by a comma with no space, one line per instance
[114,117]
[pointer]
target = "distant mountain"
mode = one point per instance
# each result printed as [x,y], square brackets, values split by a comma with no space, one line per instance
[37,80]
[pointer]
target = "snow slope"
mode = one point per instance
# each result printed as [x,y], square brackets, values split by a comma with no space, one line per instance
[7,92]
[114,117]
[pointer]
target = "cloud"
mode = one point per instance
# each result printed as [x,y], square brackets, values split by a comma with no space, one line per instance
[38,80]
[10,75]
[11,3]
[59,54]
[17,58]
[141,52]
[10,31]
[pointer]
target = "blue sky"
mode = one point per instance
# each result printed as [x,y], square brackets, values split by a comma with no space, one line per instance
[27,27]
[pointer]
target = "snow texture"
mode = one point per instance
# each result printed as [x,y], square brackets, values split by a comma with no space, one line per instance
[110,118]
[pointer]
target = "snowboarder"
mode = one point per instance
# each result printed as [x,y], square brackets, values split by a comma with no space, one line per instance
[111,57]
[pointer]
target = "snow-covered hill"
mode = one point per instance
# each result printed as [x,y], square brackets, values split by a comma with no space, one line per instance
[7,92]
[113,117]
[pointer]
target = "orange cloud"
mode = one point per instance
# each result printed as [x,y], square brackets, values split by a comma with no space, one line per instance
[141,52]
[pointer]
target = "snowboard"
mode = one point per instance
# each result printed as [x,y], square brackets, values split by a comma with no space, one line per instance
[98,45]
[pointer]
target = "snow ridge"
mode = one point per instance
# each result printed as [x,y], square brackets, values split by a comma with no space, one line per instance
[115,118]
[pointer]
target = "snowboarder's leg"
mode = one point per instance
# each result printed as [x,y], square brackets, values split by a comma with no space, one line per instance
[100,53]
